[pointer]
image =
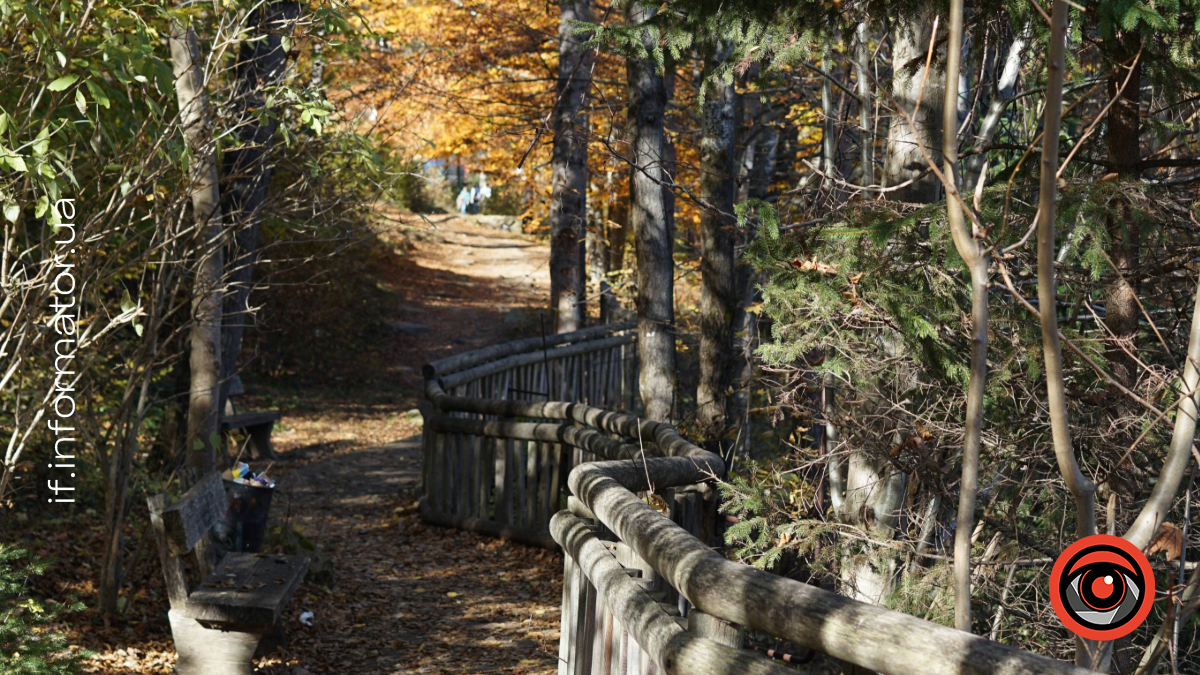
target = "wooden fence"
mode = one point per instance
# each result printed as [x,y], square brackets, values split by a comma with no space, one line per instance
[644,589]
[512,486]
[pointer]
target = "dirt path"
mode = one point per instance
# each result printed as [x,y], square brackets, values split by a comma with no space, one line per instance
[408,598]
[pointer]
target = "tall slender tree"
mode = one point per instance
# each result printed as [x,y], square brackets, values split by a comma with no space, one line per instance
[205,345]
[866,131]
[717,292]
[653,239]
[974,254]
[568,208]
[1123,140]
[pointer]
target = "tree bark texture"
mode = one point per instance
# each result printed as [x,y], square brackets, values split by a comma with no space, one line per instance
[247,169]
[973,254]
[568,205]
[1121,311]
[1003,86]
[652,234]
[904,161]
[717,294]
[866,133]
[205,338]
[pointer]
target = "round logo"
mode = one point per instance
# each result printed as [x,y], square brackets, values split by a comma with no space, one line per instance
[1102,587]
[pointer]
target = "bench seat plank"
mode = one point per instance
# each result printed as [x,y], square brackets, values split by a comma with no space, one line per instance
[250,419]
[247,588]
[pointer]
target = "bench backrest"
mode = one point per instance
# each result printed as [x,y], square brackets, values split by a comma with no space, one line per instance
[180,526]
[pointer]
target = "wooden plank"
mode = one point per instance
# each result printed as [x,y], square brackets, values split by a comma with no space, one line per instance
[558,454]
[250,419]
[487,483]
[593,367]
[520,477]
[445,448]
[462,490]
[499,489]
[450,460]
[247,588]
[542,504]
[471,471]
[716,629]
[581,377]
[173,570]
[531,483]
[427,448]
[621,648]
[510,478]
[188,520]
[543,378]
[587,623]
[568,628]
[602,640]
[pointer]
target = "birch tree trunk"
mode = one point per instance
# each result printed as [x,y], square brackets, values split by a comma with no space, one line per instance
[568,205]
[652,234]
[1003,86]
[865,101]
[828,126]
[868,490]
[903,160]
[205,338]
[717,301]
[247,169]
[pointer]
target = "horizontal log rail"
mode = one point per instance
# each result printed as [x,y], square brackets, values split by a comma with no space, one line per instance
[509,484]
[615,608]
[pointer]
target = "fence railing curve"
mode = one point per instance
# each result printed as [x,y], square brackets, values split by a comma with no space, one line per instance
[516,432]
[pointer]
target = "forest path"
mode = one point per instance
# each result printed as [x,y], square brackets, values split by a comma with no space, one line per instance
[409,598]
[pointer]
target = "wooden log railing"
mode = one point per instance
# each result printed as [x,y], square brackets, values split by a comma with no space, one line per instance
[643,590]
[511,486]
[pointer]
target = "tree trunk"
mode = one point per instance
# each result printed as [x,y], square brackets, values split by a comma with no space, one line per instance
[1124,152]
[903,160]
[205,359]
[651,231]
[828,121]
[247,170]
[1003,86]
[974,256]
[670,167]
[618,229]
[568,205]
[717,301]
[866,490]
[758,165]
[865,102]
[597,256]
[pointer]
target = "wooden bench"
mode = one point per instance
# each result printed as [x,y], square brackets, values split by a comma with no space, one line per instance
[221,622]
[257,425]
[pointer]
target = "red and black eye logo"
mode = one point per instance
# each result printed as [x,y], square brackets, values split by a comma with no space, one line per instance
[1102,587]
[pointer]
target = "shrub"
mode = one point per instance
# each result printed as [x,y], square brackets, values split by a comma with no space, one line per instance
[28,644]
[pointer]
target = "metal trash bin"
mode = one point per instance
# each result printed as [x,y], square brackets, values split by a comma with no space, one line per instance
[244,525]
